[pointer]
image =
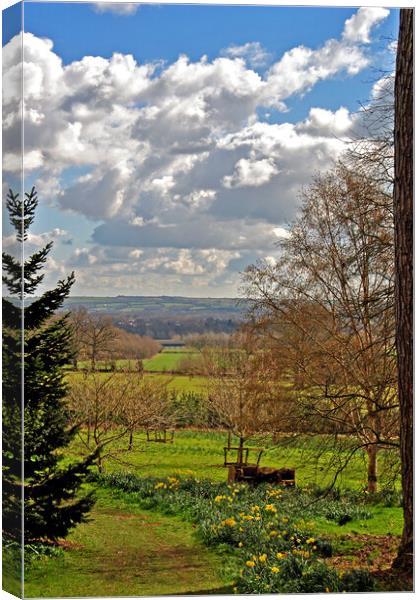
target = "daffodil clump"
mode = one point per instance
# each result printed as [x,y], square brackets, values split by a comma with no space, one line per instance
[260,527]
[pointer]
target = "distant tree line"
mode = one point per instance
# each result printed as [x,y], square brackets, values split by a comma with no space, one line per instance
[162,328]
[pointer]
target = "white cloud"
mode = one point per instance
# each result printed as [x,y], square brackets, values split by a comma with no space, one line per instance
[118,8]
[328,123]
[358,27]
[252,52]
[249,173]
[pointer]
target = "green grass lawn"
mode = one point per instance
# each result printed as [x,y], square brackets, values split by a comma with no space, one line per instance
[384,521]
[125,551]
[201,453]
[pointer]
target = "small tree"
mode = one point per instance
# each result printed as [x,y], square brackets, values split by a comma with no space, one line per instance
[242,391]
[97,405]
[93,336]
[52,505]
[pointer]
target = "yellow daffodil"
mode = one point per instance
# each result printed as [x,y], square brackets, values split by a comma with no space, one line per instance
[250,563]
[280,555]
[262,557]
[275,570]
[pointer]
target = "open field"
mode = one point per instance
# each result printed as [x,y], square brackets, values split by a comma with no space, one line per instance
[175,532]
[168,360]
[181,535]
[169,535]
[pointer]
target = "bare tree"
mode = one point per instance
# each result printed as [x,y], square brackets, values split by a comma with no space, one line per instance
[97,405]
[403,214]
[147,405]
[333,285]
[109,407]
[242,391]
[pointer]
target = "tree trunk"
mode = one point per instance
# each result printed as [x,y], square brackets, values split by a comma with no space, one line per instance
[372,452]
[241,450]
[403,215]
[130,441]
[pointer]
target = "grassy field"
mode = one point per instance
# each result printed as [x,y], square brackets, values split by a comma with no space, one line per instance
[150,541]
[125,551]
[201,453]
[179,383]
[168,360]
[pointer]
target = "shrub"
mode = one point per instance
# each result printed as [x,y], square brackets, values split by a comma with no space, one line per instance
[358,580]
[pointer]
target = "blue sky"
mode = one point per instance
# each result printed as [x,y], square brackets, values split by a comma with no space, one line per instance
[135,150]
[164,32]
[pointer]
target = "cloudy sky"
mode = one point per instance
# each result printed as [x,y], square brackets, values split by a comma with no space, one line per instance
[169,144]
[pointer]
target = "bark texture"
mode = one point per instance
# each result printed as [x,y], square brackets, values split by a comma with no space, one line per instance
[403,215]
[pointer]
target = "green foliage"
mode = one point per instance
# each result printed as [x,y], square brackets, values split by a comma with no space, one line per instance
[51,504]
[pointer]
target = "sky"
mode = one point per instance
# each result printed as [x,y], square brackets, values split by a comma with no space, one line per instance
[170,144]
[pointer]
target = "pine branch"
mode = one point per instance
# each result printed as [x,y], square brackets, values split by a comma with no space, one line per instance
[37,312]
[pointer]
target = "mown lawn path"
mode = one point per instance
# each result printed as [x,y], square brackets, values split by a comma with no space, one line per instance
[127,552]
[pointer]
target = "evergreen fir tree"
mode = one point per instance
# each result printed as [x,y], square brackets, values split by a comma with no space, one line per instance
[51,499]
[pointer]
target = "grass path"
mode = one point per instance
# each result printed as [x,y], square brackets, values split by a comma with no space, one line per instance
[127,552]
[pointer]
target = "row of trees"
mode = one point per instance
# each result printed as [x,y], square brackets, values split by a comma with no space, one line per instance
[106,411]
[95,338]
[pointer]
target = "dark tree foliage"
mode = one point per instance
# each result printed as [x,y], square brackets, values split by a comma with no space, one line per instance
[50,496]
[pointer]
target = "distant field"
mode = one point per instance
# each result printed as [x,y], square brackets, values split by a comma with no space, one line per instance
[179,383]
[168,360]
